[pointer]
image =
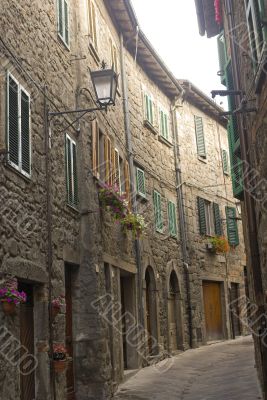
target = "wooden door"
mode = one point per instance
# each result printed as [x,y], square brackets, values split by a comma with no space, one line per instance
[69,333]
[27,380]
[235,310]
[213,310]
[172,321]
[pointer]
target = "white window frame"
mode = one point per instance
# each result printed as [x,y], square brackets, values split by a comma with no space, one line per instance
[143,195]
[146,117]
[72,141]
[20,88]
[63,38]
[92,28]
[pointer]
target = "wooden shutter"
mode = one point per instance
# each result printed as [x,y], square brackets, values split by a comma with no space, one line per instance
[225,162]
[157,211]
[166,126]
[161,121]
[116,169]
[202,216]
[25,133]
[140,182]
[74,174]
[66,21]
[200,139]
[127,182]
[172,218]
[232,228]
[13,121]
[60,18]
[69,171]
[95,148]
[146,101]
[108,160]
[217,219]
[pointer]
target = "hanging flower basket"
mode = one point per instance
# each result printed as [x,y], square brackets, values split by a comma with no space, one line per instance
[10,298]
[111,199]
[134,223]
[220,244]
[60,358]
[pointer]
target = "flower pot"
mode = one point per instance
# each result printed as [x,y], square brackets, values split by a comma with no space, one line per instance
[60,366]
[8,308]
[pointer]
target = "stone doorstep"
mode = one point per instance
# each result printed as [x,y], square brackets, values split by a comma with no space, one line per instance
[129,373]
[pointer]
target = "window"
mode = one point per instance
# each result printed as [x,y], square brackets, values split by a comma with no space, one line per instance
[209,218]
[92,23]
[114,58]
[71,172]
[140,182]
[225,162]
[232,228]
[117,169]
[256,14]
[158,211]
[200,139]
[18,126]
[164,124]
[172,219]
[63,20]
[149,109]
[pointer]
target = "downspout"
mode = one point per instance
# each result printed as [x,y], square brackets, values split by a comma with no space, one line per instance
[49,240]
[252,231]
[182,218]
[132,173]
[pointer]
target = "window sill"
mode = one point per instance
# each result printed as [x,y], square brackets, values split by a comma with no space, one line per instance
[93,52]
[62,41]
[13,168]
[72,208]
[160,231]
[150,126]
[141,197]
[202,159]
[165,141]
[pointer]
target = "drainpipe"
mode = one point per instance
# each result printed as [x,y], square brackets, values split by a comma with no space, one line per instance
[252,231]
[182,218]
[132,172]
[49,240]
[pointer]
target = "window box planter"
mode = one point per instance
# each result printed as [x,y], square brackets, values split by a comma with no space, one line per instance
[60,360]
[60,366]
[111,199]
[218,244]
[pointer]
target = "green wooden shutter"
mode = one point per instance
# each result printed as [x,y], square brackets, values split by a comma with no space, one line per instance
[157,211]
[201,216]
[69,171]
[225,162]
[146,107]
[60,18]
[232,228]
[161,123]
[200,139]
[166,130]
[172,218]
[217,219]
[25,133]
[13,121]
[66,21]
[74,174]
[140,182]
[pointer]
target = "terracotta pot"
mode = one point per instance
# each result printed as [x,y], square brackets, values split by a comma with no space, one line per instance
[60,366]
[8,308]
[55,312]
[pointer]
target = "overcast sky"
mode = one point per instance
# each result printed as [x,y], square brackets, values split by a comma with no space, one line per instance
[171,26]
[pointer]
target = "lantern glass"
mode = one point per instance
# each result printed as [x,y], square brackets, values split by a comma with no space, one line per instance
[105,85]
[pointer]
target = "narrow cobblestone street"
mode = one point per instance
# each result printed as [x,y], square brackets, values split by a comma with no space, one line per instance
[221,371]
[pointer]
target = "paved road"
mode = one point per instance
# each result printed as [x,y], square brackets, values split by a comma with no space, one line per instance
[221,371]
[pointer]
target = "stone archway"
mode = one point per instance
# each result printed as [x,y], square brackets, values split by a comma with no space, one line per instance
[175,320]
[151,311]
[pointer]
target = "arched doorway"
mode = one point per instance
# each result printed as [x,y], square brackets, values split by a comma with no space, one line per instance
[175,327]
[151,312]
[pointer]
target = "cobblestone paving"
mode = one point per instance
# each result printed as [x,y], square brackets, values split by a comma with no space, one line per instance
[221,371]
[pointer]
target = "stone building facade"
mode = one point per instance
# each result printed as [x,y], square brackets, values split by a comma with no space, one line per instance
[241,31]
[128,299]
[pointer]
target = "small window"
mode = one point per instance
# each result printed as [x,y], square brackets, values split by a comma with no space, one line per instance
[225,162]
[92,23]
[71,172]
[149,108]
[256,14]
[200,139]
[172,219]
[140,182]
[158,211]
[18,126]
[164,124]
[63,20]
[209,218]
